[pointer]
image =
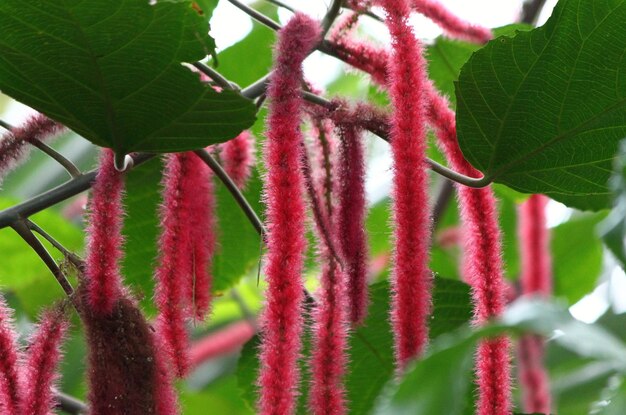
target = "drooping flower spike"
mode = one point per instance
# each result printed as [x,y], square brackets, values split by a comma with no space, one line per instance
[412,280]
[536,278]
[104,237]
[238,157]
[452,25]
[39,373]
[10,387]
[281,320]
[14,145]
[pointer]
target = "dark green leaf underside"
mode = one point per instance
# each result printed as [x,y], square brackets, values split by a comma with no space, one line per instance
[112,71]
[542,112]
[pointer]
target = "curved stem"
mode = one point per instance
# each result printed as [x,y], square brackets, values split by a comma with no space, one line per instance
[281,4]
[444,171]
[234,190]
[256,15]
[29,237]
[217,77]
[70,167]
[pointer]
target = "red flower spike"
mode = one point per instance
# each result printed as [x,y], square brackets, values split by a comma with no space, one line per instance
[10,388]
[14,145]
[198,186]
[104,237]
[535,250]
[39,373]
[282,322]
[238,158]
[364,56]
[483,263]
[451,24]
[351,220]
[127,373]
[536,279]
[174,271]
[412,280]
[330,341]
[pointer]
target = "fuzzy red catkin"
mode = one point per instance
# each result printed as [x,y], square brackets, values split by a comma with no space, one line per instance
[412,280]
[351,219]
[483,264]
[451,24]
[238,158]
[126,373]
[14,145]
[175,266]
[536,279]
[39,372]
[328,361]
[282,321]
[10,387]
[104,237]
[199,187]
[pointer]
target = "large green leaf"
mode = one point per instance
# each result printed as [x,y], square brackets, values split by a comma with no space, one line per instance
[112,71]
[542,112]
[370,358]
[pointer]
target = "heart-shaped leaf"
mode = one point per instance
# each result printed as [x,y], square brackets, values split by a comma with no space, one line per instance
[112,71]
[542,112]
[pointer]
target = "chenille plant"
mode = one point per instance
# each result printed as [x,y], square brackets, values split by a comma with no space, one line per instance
[231,250]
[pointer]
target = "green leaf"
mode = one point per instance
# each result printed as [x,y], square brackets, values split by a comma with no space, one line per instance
[613,229]
[543,111]
[576,257]
[112,71]
[370,359]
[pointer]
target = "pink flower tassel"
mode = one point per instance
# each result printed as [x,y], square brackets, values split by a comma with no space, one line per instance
[451,24]
[536,279]
[10,388]
[483,264]
[221,342]
[14,145]
[282,321]
[104,237]
[238,158]
[175,266]
[351,220]
[328,363]
[39,372]
[412,280]
[199,186]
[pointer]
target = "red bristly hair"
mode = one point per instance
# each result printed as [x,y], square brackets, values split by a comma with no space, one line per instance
[238,157]
[10,387]
[39,373]
[286,243]
[452,25]
[536,279]
[412,280]
[104,237]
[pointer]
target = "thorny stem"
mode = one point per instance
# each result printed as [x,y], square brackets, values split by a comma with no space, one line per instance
[29,237]
[234,191]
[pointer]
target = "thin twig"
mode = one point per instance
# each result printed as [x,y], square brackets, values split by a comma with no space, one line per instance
[331,15]
[6,125]
[245,310]
[234,191]
[69,404]
[71,256]
[29,237]
[215,76]
[70,167]
[531,11]
[256,15]
[281,4]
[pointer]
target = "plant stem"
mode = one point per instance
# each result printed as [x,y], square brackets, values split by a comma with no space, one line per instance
[56,195]
[256,15]
[441,202]
[331,15]
[71,256]
[234,191]
[531,11]
[281,4]
[245,310]
[29,237]
[69,404]
[6,125]
[70,167]
[217,77]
